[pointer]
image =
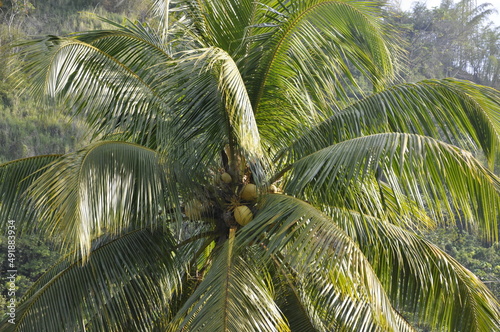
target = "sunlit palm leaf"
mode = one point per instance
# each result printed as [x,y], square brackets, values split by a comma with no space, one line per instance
[459,112]
[107,187]
[298,312]
[214,106]
[161,8]
[222,24]
[430,172]
[304,68]
[321,255]
[448,295]
[232,297]
[319,306]
[105,75]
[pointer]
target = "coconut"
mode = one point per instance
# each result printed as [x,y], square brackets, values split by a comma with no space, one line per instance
[193,209]
[242,215]
[249,192]
[273,189]
[226,178]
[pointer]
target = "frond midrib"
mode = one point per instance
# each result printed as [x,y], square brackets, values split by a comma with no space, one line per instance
[11,162]
[126,69]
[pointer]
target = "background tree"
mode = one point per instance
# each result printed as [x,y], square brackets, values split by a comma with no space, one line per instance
[192,129]
[452,40]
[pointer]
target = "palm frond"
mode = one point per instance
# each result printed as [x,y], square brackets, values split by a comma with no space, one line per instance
[232,297]
[222,24]
[458,112]
[341,312]
[436,175]
[420,278]
[125,284]
[318,253]
[151,44]
[310,305]
[161,8]
[106,187]
[105,75]
[307,64]
[211,103]
[15,178]
[299,314]
[196,254]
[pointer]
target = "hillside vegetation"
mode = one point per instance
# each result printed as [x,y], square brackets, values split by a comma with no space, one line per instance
[27,128]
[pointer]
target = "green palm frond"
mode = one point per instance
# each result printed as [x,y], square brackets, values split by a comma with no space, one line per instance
[306,66]
[110,292]
[325,27]
[15,178]
[458,112]
[314,303]
[449,295]
[322,256]
[345,313]
[222,24]
[430,172]
[295,49]
[161,8]
[104,188]
[233,297]
[104,75]
[214,106]
[108,41]
[296,309]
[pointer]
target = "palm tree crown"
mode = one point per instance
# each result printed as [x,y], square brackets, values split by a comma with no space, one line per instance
[254,168]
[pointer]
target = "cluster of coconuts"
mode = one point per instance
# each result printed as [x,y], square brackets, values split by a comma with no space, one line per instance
[242,213]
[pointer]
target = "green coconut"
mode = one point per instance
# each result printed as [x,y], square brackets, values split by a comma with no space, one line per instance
[243,215]
[249,192]
[226,177]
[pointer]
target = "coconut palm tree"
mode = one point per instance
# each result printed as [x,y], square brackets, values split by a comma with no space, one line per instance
[254,167]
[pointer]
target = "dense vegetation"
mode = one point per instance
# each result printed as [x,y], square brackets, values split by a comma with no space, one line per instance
[451,40]
[439,45]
